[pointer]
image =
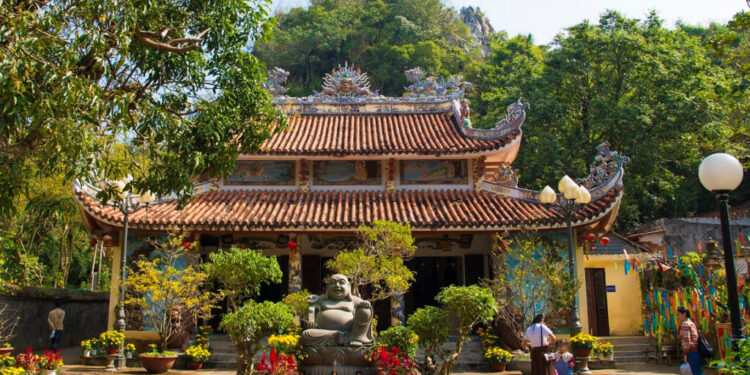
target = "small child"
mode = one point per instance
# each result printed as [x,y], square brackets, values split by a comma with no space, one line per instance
[564,361]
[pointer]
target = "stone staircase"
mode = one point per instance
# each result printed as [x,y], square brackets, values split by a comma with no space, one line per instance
[629,349]
[223,355]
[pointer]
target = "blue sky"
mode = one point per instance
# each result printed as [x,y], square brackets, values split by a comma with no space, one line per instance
[545,18]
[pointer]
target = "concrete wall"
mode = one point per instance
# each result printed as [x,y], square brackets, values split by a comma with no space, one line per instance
[623,305]
[85,315]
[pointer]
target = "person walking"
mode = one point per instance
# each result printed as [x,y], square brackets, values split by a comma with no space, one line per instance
[55,320]
[689,339]
[538,335]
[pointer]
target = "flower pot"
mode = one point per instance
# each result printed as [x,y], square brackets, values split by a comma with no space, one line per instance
[5,351]
[113,350]
[582,352]
[48,372]
[194,365]
[86,353]
[129,355]
[499,367]
[157,365]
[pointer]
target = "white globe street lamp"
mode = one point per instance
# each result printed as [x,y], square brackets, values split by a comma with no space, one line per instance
[574,195]
[721,173]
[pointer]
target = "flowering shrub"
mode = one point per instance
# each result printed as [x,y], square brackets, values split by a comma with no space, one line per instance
[603,349]
[130,348]
[393,362]
[13,371]
[583,341]
[51,360]
[28,361]
[488,340]
[277,364]
[203,335]
[400,337]
[7,361]
[111,339]
[497,355]
[198,353]
[86,345]
[287,344]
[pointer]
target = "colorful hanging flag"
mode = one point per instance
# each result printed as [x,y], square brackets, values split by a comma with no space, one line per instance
[739,248]
[700,248]
[627,267]
[671,252]
[742,237]
[616,266]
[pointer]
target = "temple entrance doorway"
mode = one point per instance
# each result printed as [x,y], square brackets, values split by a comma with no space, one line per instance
[596,297]
[432,274]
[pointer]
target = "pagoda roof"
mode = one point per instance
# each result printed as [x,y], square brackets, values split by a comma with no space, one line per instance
[347,134]
[287,210]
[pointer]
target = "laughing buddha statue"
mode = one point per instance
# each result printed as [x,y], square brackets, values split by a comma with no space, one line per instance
[337,318]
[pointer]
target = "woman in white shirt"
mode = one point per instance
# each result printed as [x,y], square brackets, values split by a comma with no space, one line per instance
[539,336]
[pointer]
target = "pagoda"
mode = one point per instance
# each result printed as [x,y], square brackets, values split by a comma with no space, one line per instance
[350,156]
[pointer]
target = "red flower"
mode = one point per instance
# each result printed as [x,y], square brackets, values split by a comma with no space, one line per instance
[186,244]
[395,350]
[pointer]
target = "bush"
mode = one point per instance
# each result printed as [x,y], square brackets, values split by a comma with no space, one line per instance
[583,341]
[297,301]
[737,362]
[198,353]
[603,349]
[241,272]
[430,324]
[249,324]
[402,338]
[497,355]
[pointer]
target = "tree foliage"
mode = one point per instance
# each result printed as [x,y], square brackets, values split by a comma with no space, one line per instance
[251,323]
[241,272]
[173,79]
[377,267]
[383,37]
[165,293]
[531,277]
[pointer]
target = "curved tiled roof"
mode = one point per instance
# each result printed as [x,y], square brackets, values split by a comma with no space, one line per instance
[236,210]
[379,134]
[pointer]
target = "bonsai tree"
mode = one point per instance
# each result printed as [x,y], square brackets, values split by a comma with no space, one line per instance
[465,306]
[241,272]
[251,323]
[530,277]
[378,264]
[167,294]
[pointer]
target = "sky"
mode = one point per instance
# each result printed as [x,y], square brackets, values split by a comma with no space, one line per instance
[544,19]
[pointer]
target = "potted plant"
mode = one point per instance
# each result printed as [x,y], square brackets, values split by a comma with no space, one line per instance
[197,355]
[86,348]
[28,361]
[7,361]
[604,350]
[95,347]
[498,358]
[111,341]
[129,351]
[203,336]
[156,362]
[50,363]
[582,344]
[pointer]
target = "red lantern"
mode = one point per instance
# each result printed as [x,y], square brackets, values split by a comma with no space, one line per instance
[504,244]
[92,242]
[590,237]
[291,245]
[604,240]
[186,244]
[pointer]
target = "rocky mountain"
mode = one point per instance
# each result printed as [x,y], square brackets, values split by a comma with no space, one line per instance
[479,25]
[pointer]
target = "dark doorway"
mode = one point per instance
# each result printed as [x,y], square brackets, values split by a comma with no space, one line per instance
[474,264]
[432,274]
[596,297]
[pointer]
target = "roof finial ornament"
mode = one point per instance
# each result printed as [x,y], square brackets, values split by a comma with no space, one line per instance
[605,165]
[346,81]
[275,78]
[422,85]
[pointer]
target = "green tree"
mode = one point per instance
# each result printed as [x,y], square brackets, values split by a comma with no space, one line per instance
[241,272]
[251,323]
[173,79]
[378,265]
[531,278]
[382,37]
[430,323]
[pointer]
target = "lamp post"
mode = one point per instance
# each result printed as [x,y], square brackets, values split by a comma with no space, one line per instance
[574,195]
[127,204]
[721,173]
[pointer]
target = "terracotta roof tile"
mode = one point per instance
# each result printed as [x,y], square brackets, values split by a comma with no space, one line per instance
[277,209]
[372,134]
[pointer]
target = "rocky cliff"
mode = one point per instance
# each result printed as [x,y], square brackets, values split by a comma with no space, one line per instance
[479,25]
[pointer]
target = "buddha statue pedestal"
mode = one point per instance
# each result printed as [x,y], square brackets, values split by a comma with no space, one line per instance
[339,332]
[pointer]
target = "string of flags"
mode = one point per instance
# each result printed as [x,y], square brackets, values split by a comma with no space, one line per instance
[702,298]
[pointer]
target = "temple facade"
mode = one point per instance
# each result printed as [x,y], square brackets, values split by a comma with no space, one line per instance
[349,157]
